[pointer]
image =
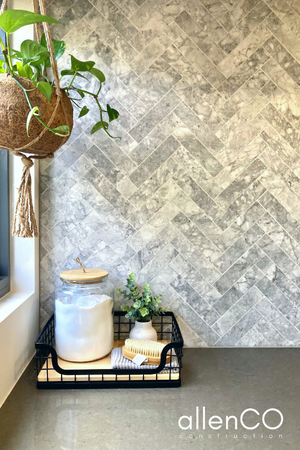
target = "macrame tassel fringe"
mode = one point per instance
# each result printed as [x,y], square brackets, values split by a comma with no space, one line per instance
[24,220]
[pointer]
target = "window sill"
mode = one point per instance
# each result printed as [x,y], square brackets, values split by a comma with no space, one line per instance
[12,301]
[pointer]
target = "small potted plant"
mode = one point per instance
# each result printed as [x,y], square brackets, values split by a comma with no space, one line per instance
[144,307]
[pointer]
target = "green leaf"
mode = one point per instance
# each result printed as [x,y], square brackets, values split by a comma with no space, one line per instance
[71,73]
[24,70]
[33,52]
[144,312]
[98,126]
[83,111]
[98,74]
[112,113]
[12,20]
[81,66]
[137,304]
[45,88]
[2,70]
[63,131]
[33,112]
[58,46]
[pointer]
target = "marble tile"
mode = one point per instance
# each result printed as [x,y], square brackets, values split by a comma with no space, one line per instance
[240,328]
[243,73]
[236,312]
[251,257]
[244,50]
[200,61]
[155,116]
[199,37]
[200,194]
[279,322]
[154,161]
[243,28]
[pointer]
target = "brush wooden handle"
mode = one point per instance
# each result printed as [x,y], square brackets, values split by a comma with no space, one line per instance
[153,360]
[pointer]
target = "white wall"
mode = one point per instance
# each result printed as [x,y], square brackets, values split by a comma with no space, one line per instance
[19,310]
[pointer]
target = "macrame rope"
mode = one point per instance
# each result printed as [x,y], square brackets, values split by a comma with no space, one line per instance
[51,49]
[24,221]
[3,6]
[37,26]
[25,224]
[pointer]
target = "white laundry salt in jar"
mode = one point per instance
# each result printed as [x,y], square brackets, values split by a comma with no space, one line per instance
[84,329]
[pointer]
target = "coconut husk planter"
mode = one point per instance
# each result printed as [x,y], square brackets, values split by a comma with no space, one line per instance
[14,110]
[41,143]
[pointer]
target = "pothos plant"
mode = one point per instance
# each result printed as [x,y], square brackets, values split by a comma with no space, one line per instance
[144,304]
[32,61]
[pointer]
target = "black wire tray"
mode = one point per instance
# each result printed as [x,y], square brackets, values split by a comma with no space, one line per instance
[54,373]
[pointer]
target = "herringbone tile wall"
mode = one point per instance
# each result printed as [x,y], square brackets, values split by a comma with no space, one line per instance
[200,197]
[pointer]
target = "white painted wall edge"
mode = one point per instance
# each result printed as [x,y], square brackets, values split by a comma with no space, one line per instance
[19,310]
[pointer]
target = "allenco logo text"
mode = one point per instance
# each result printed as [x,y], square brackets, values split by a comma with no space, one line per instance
[201,421]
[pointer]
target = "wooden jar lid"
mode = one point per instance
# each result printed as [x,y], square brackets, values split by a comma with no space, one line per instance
[78,276]
[82,276]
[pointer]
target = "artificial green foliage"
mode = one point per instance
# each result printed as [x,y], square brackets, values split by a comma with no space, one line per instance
[32,61]
[144,304]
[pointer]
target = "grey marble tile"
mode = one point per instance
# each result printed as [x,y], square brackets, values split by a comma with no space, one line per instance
[70,18]
[236,123]
[200,153]
[192,190]
[252,339]
[251,257]
[240,329]
[194,300]
[159,262]
[236,312]
[111,59]
[241,183]
[278,299]
[149,54]
[290,268]
[282,216]
[110,11]
[150,229]
[270,333]
[201,62]
[242,52]
[197,238]
[194,321]
[243,73]
[154,246]
[155,116]
[244,27]
[109,192]
[199,128]
[154,161]
[241,204]
[281,125]
[199,37]
[238,248]
[278,321]
[237,13]
[280,237]
[231,151]
[287,287]
[200,107]
[183,268]
[201,264]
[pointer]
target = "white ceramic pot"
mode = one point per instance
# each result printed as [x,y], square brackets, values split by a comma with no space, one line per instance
[84,328]
[143,330]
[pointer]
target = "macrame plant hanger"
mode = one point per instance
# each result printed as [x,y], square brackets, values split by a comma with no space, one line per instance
[24,223]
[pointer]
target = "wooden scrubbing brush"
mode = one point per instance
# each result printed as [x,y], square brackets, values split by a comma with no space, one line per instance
[151,349]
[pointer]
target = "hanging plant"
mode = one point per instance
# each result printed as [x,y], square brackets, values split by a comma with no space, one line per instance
[36,113]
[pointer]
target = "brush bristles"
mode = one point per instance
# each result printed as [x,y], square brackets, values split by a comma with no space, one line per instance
[144,347]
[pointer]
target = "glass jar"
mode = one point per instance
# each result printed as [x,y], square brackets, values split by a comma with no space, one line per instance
[84,329]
